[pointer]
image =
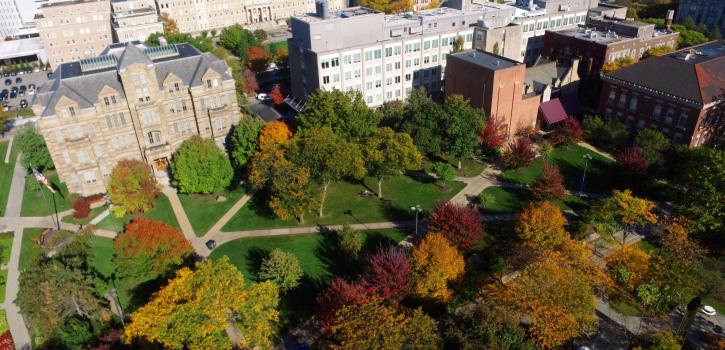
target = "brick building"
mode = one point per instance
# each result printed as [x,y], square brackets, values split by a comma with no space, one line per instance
[132,102]
[681,94]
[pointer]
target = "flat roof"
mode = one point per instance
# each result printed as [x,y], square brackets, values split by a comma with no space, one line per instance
[602,37]
[486,59]
[20,48]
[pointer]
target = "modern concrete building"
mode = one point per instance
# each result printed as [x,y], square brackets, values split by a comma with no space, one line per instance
[74,29]
[711,13]
[134,20]
[681,94]
[10,20]
[132,102]
[383,56]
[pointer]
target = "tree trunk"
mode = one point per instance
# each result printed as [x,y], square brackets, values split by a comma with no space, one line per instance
[459,165]
[301,219]
[380,188]
[324,195]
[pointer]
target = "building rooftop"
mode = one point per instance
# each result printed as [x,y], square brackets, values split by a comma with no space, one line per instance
[67,2]
[19,48]
[486,59]
[601,36]
[696,74]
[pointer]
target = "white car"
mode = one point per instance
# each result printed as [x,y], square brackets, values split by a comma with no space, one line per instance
[708,310]
[263,97]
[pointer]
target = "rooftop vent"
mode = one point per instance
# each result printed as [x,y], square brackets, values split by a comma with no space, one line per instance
[161,51]
[689,54]
[322,10]
[96,63]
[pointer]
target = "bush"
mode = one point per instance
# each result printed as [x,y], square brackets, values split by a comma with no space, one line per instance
[570,131]
[350,241]
[460,225]
[549,185]
[519,154]
[132,187]
[199,166]
[81,208]
[282,268]
[444,172]
[607,136]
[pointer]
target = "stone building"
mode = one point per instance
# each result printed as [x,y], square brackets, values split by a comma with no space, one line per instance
[134,20]
[75,29]
[132,102]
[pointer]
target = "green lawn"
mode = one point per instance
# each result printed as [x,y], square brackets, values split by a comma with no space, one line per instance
[648,246]
[6,174]
[272,47]
[320,259]
[470,167]
[161,211]
[94,212]
[23,112]
[345,205]
[4,327]
[203,210]
[570,160]
[505,200]
[37,199]
[624,306]
[6,244]
[30,249]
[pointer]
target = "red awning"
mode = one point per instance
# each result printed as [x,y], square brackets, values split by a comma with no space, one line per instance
[553,111]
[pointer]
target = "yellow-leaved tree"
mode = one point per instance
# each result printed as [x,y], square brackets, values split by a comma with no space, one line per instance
[435,262]
[623,210]
[273,133]
[197,306]
[541,226]
[629,266]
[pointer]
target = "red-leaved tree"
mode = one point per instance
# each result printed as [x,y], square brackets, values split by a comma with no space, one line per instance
[632,161]
[149,248]
[461,225]
[276,95]
[6,341]
[549,185]
[81,208]
[388,273]
[250,82]
[569,131]
[493,135]
[337,295]
[258,58]
[520,153]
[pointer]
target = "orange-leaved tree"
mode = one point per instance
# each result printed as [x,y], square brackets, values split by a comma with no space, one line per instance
[541,226]
[550,184]
[148,249]
[629,267]
[276,95]
[258,58]
[435,262]
[675,241]
[132,187]
[274,133]
[622,208]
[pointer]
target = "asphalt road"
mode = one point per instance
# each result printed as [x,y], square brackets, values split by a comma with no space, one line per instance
[37,78]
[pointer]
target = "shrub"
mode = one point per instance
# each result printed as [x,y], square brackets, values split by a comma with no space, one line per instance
[570,131]
[81,208]
[461,225]
[518,154]
[444,172]
[282,268]
[632,162]
[549,185]
[350,241]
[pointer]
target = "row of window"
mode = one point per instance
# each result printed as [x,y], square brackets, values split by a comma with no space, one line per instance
[553,23]
[669,116]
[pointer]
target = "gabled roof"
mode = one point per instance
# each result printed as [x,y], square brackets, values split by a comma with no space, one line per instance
[696,73]
[132,55]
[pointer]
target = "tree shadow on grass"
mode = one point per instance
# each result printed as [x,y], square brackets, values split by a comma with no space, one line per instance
[298,305]
[258,204]
[375,240]
[336,261]
[393,212]
[254,258]
[598,179]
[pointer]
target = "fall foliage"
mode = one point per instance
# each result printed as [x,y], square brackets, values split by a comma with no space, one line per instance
[274,133]
[569,131]
[632,162]
[276,95]
[541,226]
[292,194]
[518,154]
[132,187]
[148,249]
[338,294]
[435,262]
[388,273]
[258,58]
[461,225]
[550,184]
[250,82]
[629,266]
[194,308]
[675,240]
[494,134]
[81,208]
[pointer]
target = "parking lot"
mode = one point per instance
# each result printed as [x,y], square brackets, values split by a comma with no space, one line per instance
[14,100]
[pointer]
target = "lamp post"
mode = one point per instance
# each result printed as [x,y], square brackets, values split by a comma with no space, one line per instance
[417,209]
[587,157]
[114,295]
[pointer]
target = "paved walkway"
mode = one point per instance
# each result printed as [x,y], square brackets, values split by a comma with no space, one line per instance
[9,150]
[474,186]
[594,149]
[184,222]
[230,213]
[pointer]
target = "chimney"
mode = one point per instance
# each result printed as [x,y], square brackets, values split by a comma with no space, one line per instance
[668,18]
[322,10]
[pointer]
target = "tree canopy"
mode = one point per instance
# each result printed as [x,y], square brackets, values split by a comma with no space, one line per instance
[242,141]
[200,166]
[464,122]
[34,151]
[435,263]
[132,187]
[346,113]
[389,153]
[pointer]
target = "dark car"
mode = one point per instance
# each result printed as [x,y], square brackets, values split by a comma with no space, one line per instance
[23,88]
[211,244]
[23,103]
[14,89]
[3,95]
[13,94]
[50,75]
[31,86]
[8,82]
[18,80]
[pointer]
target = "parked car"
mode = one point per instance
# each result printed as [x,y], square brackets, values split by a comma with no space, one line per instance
[50,75]
[31,89]
[8,82]
[263,97]
[708,310]
[23,88]
[18,80]
[14,89]
[6,74]
[13,94]
[211,244]
[23,103]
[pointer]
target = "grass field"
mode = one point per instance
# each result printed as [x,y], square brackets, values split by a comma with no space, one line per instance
[37,199]
[94,212]
[513,200]
[203,210]
[4,327]
[30,249]
[571,162]
[345,205]
[319,256]
[6,244]
[470,167]
[272,47]
[623,305]
[6,174]
[161,211]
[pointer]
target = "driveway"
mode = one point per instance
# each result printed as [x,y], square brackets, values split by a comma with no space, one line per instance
[263,110]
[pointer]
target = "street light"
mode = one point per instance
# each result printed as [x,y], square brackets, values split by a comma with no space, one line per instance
[587,157]
[114,295]
[417,209]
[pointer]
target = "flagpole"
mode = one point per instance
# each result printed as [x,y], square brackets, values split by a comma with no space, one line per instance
[55,209]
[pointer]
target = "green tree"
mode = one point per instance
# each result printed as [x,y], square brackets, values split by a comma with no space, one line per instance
[688,37]
[608,136]
[54,290]
[75,334]
[458,44]
[132,187]
[388,153]
[464,122]
[653,144]
[193,310]
[200,166]
[350,240]
[238,40]
[444,173]
[292,193]
[34,151]
[328,156]
[282,268]
[242,141]
[345,112]
[377,5]
[483,327]
[425,121]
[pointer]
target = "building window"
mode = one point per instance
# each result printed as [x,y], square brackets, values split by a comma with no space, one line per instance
[335,62]
[115,120]
[622,100]
[211,83]
[682,122]
[326,79]
[612,97]
[89,177]
[657,111]
[633,104]
[220,124]
[82,157]
[150,118]
[670,115]
[154,137]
